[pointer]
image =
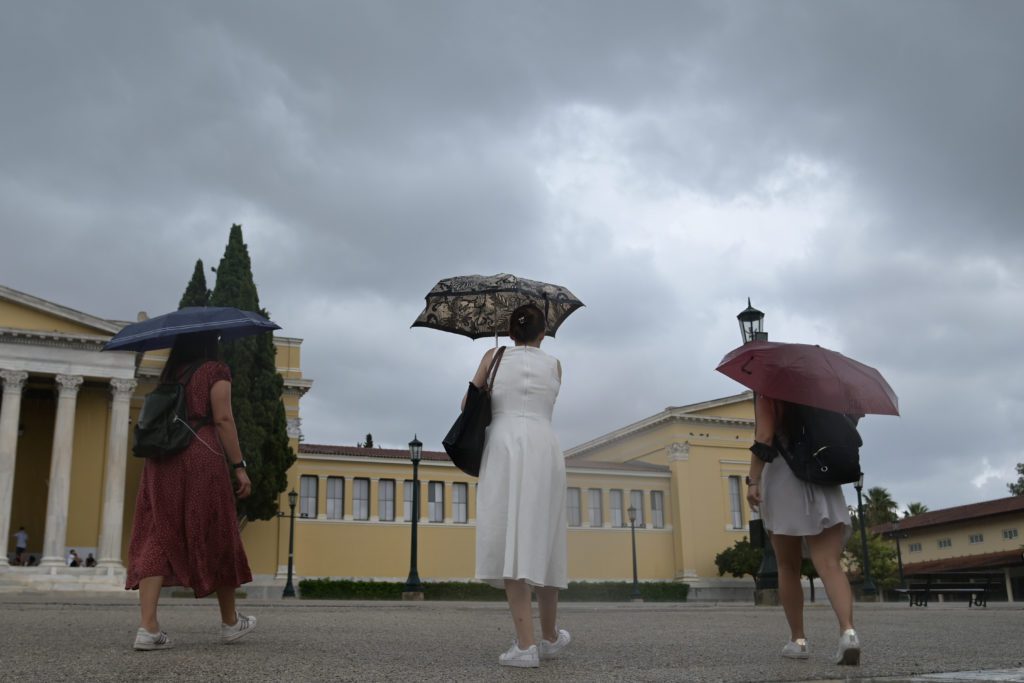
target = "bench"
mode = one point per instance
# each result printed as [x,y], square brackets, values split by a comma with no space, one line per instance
[975,585]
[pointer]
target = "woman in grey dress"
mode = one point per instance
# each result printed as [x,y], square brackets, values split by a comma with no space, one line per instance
[801,517]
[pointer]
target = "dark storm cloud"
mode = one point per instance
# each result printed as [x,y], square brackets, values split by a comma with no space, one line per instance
[624,150]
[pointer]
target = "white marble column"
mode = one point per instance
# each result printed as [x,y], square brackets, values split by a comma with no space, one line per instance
[60,472]
[10,413]
[112,522]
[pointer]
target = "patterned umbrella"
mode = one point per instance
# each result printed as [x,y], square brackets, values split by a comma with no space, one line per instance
[479,306]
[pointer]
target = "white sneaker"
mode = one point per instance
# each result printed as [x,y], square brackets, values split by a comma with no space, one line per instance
[550,650]
[849,648]
[527,658]
[243,626]
[796,649]
[144,640]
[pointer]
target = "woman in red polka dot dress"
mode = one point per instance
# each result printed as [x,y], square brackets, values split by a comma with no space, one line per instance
[185,530]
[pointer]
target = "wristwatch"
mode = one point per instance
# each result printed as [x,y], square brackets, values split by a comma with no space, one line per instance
[751,482]
[240,465]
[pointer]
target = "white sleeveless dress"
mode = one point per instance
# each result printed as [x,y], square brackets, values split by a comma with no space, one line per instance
[521,497]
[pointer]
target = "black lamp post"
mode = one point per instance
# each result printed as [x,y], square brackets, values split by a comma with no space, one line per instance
[899,555]
[752,324]
[413,588]
[869,585]
[752,329]
[636,597]
[289,589]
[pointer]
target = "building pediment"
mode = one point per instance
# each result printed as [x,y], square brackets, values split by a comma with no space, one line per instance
[30,314]
[729,412]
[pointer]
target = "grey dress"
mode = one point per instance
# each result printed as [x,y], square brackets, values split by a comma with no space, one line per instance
[792,507]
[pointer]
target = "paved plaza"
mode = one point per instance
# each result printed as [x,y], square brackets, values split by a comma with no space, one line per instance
[60,637]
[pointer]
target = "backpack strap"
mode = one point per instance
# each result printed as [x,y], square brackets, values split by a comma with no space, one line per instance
[183,381]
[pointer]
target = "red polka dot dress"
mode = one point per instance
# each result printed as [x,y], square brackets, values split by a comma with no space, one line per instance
[186,527]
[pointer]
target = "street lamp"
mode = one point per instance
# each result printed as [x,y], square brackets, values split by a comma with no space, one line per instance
[899,555]
[289,589]
[869,585]
[413,588]
[752,329]
[752,324]
[636,597]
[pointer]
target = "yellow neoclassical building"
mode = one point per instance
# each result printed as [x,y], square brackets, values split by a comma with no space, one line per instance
[67,477]
[65,420]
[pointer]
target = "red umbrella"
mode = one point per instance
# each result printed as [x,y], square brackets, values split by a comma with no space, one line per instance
[810,375]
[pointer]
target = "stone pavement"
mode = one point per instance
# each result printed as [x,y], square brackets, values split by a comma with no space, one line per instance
[63,637]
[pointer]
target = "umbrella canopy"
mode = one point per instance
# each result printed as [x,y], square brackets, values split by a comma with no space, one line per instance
[810,375]
[479,306]
[161,331]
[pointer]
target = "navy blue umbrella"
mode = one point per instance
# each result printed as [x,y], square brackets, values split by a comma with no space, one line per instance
[160,332]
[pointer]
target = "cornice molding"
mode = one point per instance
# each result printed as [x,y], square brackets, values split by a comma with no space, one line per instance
[60,340]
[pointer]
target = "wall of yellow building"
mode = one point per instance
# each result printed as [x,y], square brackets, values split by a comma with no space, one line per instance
[991,528]
[92,421]
[23,318]
[32,466]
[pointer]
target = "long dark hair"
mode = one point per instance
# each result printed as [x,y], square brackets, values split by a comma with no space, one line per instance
[187,349]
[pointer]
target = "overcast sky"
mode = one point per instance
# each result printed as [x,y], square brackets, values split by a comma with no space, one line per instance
[854,168]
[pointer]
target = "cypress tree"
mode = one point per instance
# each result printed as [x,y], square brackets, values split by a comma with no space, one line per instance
[196,294]
[256,387]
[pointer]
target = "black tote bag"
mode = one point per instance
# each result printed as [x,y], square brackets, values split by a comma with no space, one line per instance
[465,441]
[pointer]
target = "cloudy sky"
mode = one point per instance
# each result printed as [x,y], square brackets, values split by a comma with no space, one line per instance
[854,168]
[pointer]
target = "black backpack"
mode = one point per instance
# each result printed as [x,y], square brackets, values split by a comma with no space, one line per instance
[163,427]
[827,449]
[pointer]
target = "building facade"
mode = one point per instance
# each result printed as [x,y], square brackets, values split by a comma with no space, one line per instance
[986,536]
[66,411]
[66,476]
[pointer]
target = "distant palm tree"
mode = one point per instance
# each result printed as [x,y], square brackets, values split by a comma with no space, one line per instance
[880,508]
[915,509]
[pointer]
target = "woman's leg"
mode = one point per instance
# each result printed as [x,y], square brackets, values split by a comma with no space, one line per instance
[518,594]
[149,597]
[789,555]
[826,549]
[226,600]
[547,601]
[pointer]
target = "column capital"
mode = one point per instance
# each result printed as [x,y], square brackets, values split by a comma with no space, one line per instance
[123,388]
[678,451]
[13,380]
[68,385]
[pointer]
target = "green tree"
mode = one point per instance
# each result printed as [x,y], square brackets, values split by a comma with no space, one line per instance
[1017,487]
[369,441]
[915,509]
[742,559]
[196,294]
[256,387]
[881,553]
[879,508]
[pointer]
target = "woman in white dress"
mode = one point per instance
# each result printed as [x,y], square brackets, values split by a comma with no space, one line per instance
[800,515]
[521,517]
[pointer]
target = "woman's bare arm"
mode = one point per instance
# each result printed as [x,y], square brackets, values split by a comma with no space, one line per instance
[481,374]
[224,422]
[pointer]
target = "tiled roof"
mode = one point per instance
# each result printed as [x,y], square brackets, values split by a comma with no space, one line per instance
[960,513]
[1006,558]
[357,451]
